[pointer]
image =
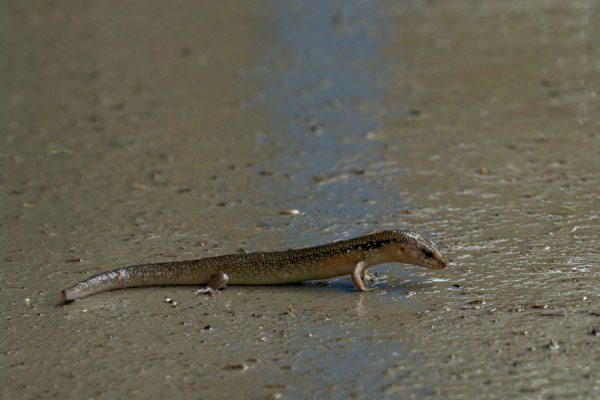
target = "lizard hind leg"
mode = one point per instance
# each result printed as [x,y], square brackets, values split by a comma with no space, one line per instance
[217,281]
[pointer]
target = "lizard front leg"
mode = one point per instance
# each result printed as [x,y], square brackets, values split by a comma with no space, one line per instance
[359,269]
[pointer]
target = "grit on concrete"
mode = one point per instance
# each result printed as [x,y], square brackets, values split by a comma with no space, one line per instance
[144,131]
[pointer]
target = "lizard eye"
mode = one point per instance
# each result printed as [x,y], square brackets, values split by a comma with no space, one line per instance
[427,253]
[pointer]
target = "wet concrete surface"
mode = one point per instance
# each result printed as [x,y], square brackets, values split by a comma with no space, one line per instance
[139,132]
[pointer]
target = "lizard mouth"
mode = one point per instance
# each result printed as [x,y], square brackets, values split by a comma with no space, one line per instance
[440,262]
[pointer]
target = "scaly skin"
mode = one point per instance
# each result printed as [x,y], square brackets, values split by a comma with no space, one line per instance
[352,256]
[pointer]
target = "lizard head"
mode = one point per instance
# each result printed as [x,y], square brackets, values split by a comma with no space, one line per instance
[414,248]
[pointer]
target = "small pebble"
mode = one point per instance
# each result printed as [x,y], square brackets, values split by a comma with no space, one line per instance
[291,211]
[171,301]
[553,345]
[240,366]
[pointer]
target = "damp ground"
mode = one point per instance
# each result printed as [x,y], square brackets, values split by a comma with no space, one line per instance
[140,132]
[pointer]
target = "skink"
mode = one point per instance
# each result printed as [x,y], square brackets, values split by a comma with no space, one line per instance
[352,256]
